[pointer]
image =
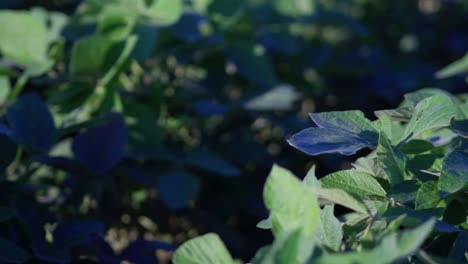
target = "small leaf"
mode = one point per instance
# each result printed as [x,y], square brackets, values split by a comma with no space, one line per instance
[279,98]
[291,204]
[29,113]
[10,253]
[206,249]
[431,113]
[177,188]
[310,180]
[453,176]
[427,196]
[265,224]
[355,182]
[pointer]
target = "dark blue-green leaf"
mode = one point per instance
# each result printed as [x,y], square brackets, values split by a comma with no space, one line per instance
[31,122]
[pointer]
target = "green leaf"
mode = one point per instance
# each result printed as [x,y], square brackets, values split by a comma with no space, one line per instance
[24,40]
[4,89]
[206,249]
[391,160]
[400,114]
[265,224]
[295,8]
[10,253]
[427,196]
[369,166]
[288,247]
[454,176]
[165,12]
[355,182]
[310,180]
[393,247]
[404,192]
[116,21]
[412,99]
[329,232]
[431,113]
[416,146]
[291,203]
[342,198]
[457,67]
[88,57]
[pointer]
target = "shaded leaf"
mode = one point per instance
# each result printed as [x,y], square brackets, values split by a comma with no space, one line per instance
[177,188]
[453,176]
[10,253]
[101,148]
[29,113]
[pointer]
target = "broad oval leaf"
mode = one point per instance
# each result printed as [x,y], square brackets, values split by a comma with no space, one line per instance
[353,122]
[454,176]
[177,188]
[31,122]
[431,113]
[102,147]
[165,12]
[24,40]
[427,196]
[355,182]
[292,205]
[88,57]
[316,141]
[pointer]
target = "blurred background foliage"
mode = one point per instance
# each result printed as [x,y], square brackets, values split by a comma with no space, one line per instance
[130,126]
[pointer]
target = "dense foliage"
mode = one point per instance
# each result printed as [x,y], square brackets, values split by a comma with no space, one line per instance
[407,197]
[130,126]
